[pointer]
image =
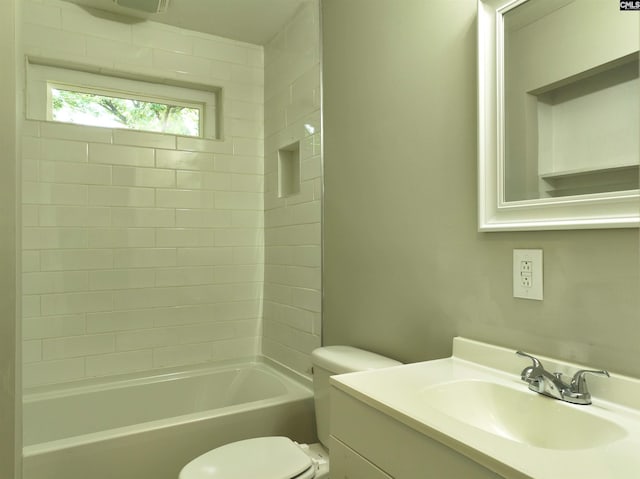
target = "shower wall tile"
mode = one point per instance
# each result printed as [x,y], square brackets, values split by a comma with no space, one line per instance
[75,346]
[204,145]
[74,216]
[121,278]
[176,62]
[245,111]
[70,303]
[65,131]
[194,218]
[292,298]
[38,38]
[30,261]
[29,170]
[76,259]
[153,177]
[121,238]
[185,160]
[53,193]
[30,306]
[184,276]
[52,372]
[55,282]
[239,164]
[239,201]
[220,50]
[119,363]
[247,183]
[53,327]
[141,250]
[143,217]
[121,196]
[161,37]
[103,48]
[204,180]
[117,321]
[204,256]
[31,351]
[144,257]
[53,238]
[54,172]
[63,150]
[180,355]
[184,198]
[251,219]
[121,155]
[144,139]
[179,237]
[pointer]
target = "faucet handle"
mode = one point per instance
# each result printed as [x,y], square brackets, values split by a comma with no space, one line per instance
[536,362]
[579,383]
[531,374]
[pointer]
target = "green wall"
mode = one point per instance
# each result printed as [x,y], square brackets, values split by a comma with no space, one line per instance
[10,450]
[405,269]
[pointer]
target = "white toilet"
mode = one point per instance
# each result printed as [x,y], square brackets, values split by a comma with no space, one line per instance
[280,457]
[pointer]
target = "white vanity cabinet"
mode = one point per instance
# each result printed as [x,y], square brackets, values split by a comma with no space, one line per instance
[368,443]
[471,416]
[348,464]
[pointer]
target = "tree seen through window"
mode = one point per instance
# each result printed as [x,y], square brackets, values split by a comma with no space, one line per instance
[109,111]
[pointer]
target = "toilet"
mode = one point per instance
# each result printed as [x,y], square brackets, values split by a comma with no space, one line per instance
[277,457]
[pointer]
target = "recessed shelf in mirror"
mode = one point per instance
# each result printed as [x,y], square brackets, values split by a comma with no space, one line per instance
[587,130]
[591,181]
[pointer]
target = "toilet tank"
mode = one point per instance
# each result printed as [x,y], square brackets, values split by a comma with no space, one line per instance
[330,360]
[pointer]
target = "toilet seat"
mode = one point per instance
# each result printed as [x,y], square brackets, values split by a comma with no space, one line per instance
[260,458]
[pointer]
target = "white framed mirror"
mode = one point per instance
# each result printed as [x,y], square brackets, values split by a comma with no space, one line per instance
[558,115]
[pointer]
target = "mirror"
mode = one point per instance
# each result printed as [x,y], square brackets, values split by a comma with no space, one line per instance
[558,115]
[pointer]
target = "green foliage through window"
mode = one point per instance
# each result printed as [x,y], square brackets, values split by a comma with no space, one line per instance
[109,111]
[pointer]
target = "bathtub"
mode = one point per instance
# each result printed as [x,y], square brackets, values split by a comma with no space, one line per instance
[149,427]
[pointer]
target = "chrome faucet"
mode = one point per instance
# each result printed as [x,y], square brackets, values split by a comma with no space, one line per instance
[552,385]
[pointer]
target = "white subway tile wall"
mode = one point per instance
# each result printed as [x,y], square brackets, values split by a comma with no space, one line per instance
[292,297]
[142,250]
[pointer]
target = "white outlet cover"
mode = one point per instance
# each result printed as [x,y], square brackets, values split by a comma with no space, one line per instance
[530,258]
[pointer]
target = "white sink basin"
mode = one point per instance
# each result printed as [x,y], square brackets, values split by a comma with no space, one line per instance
[476,404]
[521,415]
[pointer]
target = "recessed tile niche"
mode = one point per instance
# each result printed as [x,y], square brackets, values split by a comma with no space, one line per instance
[289,170]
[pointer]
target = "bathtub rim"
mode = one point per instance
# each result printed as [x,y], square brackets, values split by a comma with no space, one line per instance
[298,388]
[101,383]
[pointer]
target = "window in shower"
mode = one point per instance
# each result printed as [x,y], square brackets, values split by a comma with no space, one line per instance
[113,100]
[86,106]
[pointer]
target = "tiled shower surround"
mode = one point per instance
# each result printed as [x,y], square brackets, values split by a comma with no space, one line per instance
[143,251]
[292,224]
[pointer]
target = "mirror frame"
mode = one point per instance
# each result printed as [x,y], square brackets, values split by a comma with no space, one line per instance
[602,210]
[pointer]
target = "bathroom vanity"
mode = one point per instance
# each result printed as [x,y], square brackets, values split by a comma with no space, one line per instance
[472,416]
[373,443]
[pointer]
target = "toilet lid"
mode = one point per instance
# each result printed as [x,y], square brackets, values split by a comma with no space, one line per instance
[259,458]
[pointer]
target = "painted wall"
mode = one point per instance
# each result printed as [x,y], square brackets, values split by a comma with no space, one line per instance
[10,424]
[292,223]
[141,250]
[405,268]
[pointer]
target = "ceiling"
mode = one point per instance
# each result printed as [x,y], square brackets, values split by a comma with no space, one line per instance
[252,21]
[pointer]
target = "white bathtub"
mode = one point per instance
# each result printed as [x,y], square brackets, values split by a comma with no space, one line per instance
[148,428]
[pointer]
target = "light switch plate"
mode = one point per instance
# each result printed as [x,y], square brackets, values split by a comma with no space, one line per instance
[527,274]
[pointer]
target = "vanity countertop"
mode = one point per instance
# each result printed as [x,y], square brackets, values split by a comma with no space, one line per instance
[601,440]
